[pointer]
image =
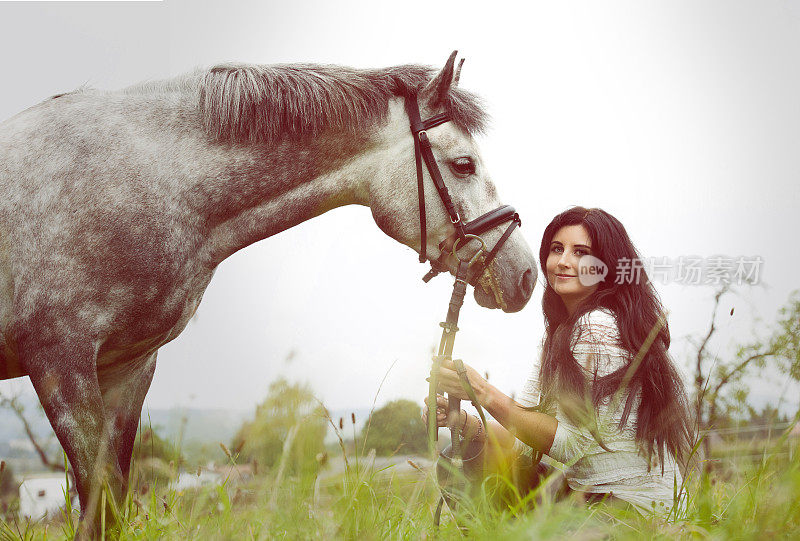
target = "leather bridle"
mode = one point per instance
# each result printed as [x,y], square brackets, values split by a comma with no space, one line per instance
[463,234]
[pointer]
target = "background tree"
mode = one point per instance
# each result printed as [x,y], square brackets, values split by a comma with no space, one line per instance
[719,387]
[153,457]
[52,460]
[289,417]
[9,490]
[397,427]
[768,417]
[786,340]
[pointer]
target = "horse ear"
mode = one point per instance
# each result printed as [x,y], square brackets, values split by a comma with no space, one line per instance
[457,76]
[437,88]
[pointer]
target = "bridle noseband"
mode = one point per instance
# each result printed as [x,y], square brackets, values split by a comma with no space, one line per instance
[464,232]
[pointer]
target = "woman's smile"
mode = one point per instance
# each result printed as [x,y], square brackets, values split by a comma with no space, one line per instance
[568,245]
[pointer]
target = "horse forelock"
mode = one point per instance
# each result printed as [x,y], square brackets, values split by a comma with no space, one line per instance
[255,103]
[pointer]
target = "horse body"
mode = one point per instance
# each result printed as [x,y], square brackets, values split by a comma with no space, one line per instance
[116,243]
[98,250]
[116,207]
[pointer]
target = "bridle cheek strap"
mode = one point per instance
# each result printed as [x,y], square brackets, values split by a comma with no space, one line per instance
[412,109]
[423,219]
[438,182]
[423,151]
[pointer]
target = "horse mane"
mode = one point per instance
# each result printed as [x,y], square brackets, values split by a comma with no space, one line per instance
[258,103]
[185,83]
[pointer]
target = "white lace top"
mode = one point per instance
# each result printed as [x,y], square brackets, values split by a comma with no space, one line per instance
[588,467]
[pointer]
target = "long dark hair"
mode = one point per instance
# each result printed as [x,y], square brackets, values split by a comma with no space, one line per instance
[663,419]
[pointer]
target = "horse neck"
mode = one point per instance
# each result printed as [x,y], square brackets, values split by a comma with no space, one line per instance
[251,192]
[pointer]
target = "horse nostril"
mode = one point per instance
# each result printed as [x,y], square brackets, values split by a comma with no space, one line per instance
[528,282]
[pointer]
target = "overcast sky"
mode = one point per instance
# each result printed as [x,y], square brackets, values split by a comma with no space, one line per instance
[680,118]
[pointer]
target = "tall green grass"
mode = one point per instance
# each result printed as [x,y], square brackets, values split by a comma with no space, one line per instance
[741,498]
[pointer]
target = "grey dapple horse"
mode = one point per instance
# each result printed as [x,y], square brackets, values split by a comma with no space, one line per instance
[116,207]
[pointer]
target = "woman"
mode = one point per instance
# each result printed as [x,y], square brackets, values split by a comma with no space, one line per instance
[612,406]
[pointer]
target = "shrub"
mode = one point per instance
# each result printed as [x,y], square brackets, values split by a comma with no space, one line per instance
[397,427]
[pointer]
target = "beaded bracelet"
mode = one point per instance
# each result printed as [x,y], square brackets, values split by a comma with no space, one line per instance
[479,431]
[480,426]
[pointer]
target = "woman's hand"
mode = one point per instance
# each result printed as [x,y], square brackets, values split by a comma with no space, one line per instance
[449,382]
[441,412]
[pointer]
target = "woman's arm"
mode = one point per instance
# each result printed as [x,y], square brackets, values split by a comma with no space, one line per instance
[473,428]
[532,428]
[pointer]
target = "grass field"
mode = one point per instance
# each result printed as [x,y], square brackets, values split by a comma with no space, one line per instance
[744,497]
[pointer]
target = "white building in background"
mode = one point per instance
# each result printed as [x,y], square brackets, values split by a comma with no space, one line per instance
[43,494]
[187,480]
[213,475]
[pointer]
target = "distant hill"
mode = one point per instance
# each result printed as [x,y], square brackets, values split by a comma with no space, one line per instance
[185,425]
[193,425]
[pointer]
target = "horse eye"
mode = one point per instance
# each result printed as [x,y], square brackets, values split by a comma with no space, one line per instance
[463,166]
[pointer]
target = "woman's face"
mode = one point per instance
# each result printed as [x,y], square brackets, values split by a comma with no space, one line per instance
[569,244]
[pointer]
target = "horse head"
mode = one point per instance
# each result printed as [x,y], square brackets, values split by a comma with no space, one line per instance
[455,118]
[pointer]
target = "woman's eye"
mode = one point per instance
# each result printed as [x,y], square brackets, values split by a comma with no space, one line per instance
[580,252]
[556,249]
[463,166]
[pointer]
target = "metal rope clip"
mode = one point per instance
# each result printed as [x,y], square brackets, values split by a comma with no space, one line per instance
[448,327]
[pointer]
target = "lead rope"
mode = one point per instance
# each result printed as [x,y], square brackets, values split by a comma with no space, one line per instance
[423,152]
[449,330]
